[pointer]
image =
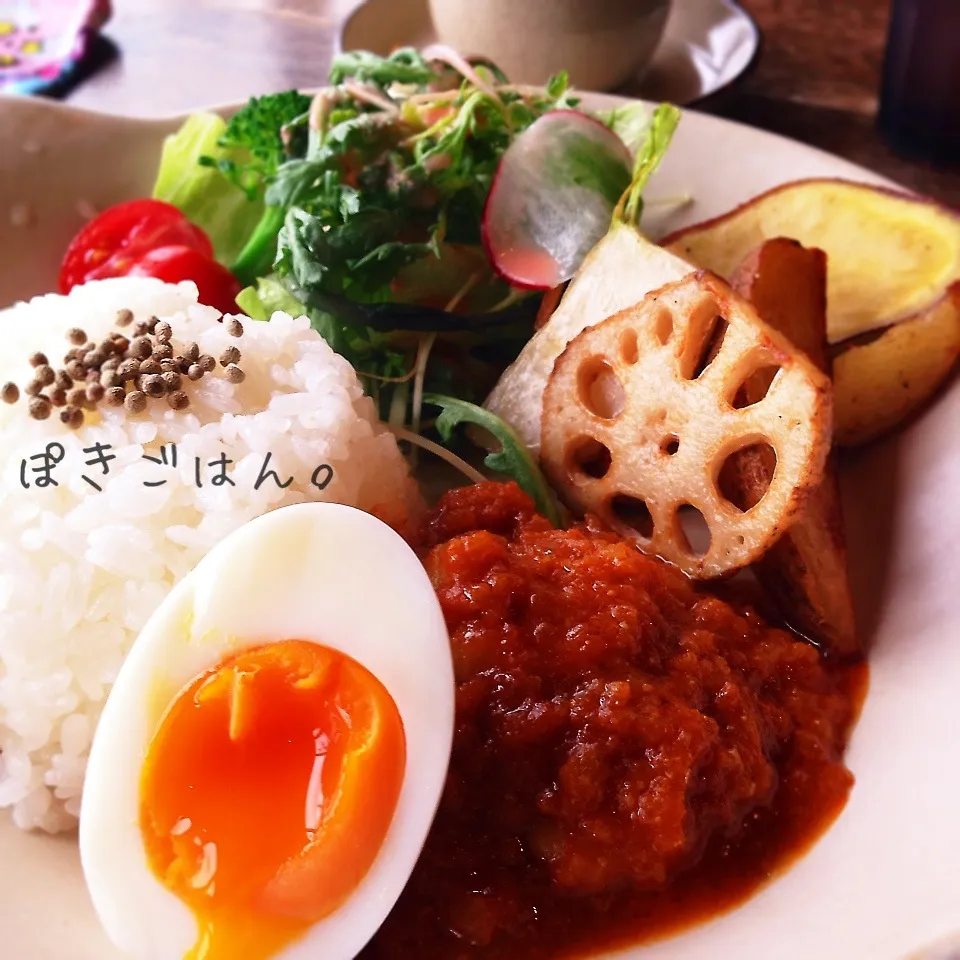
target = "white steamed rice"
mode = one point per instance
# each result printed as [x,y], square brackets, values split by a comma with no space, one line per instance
[81,571]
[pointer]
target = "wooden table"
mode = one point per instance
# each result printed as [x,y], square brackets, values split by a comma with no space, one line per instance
[815,79]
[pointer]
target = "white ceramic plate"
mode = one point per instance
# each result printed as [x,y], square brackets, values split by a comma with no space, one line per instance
[882,883]
[706,44]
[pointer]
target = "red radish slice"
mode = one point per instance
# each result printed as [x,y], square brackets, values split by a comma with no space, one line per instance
[553,198]
[446,54]
[360,91]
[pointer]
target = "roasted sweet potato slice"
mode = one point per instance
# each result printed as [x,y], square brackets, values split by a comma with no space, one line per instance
[881,384]
[891,255]
[642,411]
[805,571]
[893,260]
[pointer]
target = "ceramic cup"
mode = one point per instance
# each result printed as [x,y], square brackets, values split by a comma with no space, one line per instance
[600,43]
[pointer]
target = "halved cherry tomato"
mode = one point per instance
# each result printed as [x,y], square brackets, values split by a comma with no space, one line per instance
[110,243]
[216,285]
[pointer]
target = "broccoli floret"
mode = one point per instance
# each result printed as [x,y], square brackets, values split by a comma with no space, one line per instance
[255,140]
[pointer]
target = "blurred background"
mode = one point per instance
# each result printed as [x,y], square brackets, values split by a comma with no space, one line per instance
[808,69]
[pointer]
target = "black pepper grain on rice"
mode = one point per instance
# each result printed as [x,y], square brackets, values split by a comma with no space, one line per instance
[109,378]
[128,369]
[141,328]
[163,331]
[95,392]
[124,317]
[163,351]
[45,375]
[152,385]
[141,348]
[195,372]
[191,352]
[169,366]
[235,374]
[229,355]
[207,363]
[63,380]
[178,400]
[76,336]
[76,418]
[94,359]
[58,396]
[155,385]
[92,375]
[114,396]
[171,381]
[39,408]
[120,343]
[135,402]
[150,366]
[39,359]
[235,328]
[76,370]
[33,389]
[10,392]
[152,324]
[77,397]
[66,415]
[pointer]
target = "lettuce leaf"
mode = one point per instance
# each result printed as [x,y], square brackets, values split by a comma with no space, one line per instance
[267,296]
[657,140]
[629,122]
[201,192]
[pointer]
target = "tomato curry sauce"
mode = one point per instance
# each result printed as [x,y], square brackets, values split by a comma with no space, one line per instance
[632,753]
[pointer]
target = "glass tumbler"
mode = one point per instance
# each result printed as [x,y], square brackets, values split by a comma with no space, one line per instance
[920,90]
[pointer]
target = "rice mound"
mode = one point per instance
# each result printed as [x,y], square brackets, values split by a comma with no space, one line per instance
[81,571]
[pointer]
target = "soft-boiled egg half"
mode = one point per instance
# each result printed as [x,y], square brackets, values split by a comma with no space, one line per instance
[271,756]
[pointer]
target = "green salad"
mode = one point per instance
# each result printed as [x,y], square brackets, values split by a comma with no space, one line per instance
[363,206]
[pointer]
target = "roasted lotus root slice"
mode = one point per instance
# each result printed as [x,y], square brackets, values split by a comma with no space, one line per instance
[643,410]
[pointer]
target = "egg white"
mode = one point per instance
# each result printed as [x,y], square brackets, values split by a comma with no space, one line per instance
[322,572]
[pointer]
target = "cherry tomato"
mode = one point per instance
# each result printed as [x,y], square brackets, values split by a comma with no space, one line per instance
[216,285]
[111,242]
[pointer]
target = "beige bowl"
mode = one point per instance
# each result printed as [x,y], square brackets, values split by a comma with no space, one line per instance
[601,43]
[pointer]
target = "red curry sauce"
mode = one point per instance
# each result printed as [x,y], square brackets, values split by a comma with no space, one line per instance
[631,755]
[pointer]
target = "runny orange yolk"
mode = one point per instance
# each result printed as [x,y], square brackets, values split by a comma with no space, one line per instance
[267,793]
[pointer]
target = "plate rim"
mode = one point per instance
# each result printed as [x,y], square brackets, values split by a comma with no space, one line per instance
[593,99]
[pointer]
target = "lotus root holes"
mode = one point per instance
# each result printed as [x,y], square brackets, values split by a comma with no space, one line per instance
[600,389]
[588,458]
[692,531]
[669,445]
[663,325]
[629,346]
[744,476]
[754,387]
[704,338]
[634,513]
